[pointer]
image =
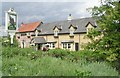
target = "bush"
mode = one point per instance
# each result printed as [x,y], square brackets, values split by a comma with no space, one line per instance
[58,53]
[24,62]
[100,69]
[7,42]
[9,52]
[50,66]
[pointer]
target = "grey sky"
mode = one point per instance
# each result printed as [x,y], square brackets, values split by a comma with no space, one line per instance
[48,11]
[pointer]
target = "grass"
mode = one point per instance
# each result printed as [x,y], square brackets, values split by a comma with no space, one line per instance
[27,62]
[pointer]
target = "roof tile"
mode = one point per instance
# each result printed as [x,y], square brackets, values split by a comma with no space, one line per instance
[29,27]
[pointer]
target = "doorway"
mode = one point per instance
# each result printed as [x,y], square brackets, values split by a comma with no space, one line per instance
[76,46]
[39,46]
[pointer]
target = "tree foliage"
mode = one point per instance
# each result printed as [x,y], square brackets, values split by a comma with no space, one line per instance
[105,40]
[6,41]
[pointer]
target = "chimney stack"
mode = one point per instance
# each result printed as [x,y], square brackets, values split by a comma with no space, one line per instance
[22,23]
[69,17]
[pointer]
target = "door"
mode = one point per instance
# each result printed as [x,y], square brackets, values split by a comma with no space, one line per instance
[39,46]
[76,46]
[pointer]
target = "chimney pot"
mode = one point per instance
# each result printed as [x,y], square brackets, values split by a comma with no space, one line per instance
[69,17]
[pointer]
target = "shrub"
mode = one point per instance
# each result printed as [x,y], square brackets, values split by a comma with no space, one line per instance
[100,69]
[6,42]
[24,62]
[59,53]
[50,66]
[10,52]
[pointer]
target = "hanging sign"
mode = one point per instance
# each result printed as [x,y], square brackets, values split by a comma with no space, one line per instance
[11,20]
[11,23]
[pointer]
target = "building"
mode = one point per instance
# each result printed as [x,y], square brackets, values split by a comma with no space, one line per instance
[26,32]
[68,34]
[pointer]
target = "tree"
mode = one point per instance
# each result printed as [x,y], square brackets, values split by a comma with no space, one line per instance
[107,44]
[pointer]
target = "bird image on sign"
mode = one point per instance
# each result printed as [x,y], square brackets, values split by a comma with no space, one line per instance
[12,22]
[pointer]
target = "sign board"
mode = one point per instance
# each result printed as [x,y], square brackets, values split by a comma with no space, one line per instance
[11,23]
[11,20]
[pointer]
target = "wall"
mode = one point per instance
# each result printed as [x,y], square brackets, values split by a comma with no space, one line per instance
[78,38]
[25,38]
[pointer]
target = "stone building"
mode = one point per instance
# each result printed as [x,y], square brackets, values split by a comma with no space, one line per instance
[26,32]
[68,34]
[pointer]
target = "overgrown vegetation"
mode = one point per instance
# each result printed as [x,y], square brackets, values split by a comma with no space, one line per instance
[95,60]
[105,40]
[6,42]
[17,62]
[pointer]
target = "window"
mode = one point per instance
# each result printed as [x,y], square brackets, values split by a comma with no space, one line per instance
[18,37]
[89,29]
[69,45]
[23,34]
[51,45]
[28,34]
[37,32]
[71,32]
[66,45]
[55,33]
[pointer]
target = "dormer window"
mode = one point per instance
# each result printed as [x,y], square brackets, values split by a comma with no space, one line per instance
[56,30]
[37,32]
[71,32]
[55,33]
[89,27]
[72,29]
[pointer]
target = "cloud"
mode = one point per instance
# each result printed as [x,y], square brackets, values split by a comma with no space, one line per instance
[33,18]
[48,11]
[43,0]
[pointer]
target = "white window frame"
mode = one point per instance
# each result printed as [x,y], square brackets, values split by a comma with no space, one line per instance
[51,45]
[71,32]
[67,45]
[55,33]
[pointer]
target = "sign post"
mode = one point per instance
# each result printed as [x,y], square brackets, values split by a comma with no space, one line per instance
[11,23]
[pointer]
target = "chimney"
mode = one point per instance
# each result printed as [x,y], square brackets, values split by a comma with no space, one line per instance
[69,17]
[22,23]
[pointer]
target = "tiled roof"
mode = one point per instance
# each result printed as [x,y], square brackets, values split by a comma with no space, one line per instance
[39,40]
[79,23]
[29,27]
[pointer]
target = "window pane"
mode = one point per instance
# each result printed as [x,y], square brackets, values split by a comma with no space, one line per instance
[65,45]
[53,45]
[71,32]
[69,45]
[55,33]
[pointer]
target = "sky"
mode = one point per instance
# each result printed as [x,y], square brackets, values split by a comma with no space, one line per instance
[47,11]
